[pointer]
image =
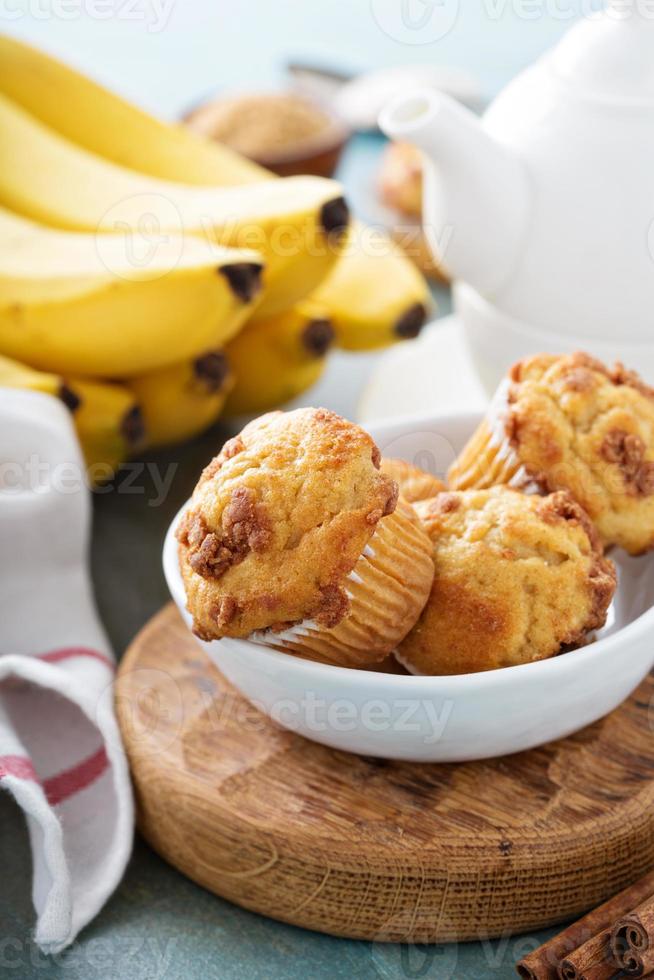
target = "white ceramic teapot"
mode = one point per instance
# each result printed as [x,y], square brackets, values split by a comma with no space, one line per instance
[544,208]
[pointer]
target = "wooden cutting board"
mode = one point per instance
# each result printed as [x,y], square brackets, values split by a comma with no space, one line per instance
[371,849]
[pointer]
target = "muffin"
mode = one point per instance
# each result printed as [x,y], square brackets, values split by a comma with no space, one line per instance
[400,178]
[517,578]
[570,423]
[413,483]
[400,188]
[294,537]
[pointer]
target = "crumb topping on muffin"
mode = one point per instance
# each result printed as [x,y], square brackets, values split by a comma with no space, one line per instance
[575,424]
[518,578]
[627,451]
[277,522]
[245,527]
[414,484]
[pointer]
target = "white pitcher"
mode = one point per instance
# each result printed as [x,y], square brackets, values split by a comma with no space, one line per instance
[544,208]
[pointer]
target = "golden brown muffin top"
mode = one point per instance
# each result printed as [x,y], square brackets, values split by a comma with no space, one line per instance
[518,578]
[414,484]
[400,178]
[278,520]
[577,425]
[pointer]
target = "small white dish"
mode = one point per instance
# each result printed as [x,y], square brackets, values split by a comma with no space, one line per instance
[444,719]
[494,339]
[433,375]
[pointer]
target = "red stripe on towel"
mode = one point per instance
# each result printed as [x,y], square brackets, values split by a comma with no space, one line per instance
[56,656]
[65,784]
[17,765]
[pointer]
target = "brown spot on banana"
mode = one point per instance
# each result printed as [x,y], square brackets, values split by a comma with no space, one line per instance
[335,215]
[132,427]
[244,279]
[411,322]
[318,336]
[70,398]
[212,370]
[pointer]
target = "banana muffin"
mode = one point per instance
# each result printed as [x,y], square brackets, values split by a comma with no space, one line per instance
[413,483]
[517,578]
[295,538]
[570,423]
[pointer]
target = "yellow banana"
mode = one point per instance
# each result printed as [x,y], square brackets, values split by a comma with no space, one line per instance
[71,302]
[100,121]
[296,223]
[184,399]
[374,300]
[277,358]
[109,424]
[371,289]
[13,374]
[107,418]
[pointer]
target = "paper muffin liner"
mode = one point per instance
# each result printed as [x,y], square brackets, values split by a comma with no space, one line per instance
[488,459]
[388,588]
[403,662]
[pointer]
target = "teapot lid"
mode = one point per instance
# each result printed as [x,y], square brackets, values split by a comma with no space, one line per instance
[609,54]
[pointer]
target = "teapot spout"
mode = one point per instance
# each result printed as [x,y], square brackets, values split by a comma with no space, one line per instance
[476,196]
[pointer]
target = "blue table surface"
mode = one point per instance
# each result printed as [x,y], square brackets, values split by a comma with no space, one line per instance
[164,55]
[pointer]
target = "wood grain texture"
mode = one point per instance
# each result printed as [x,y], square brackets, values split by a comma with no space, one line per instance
[371,849]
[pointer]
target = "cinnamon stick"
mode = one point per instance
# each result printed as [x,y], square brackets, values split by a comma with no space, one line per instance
[543,963]
[591,961]
[632,940]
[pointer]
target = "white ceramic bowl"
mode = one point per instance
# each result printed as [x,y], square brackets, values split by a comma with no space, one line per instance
[444,719]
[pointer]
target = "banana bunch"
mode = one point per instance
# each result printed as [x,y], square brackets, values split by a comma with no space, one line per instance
[297,224]
[154,279]
[373,296]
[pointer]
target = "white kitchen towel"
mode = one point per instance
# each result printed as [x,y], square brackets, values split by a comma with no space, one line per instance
[61,756]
